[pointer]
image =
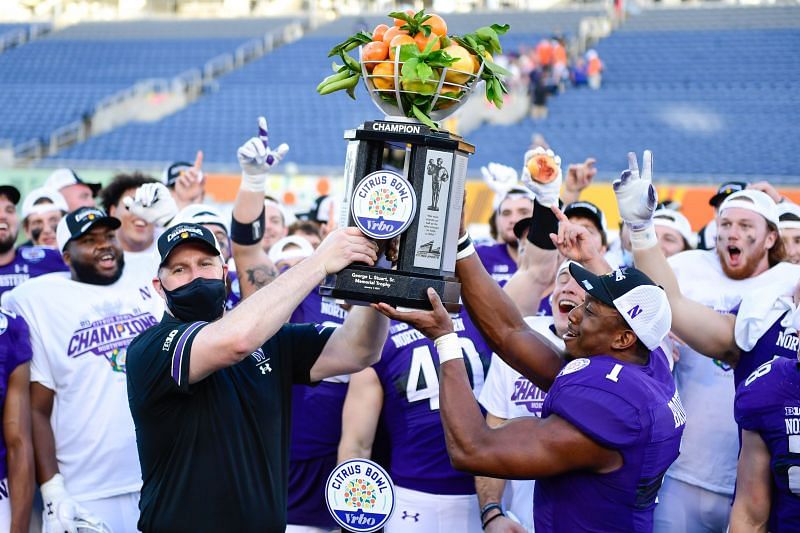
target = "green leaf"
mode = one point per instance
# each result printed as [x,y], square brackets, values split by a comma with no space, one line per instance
[500,30]
[401,15]
[496,69]
[422,117]
[486,34]
[409,70]
[407,51]
[424,72]
[351,92]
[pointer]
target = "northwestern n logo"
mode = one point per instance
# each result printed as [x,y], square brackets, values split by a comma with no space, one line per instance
[634,311]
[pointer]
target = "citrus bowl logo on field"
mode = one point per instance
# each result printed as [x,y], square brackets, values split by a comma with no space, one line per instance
[383,204]
[360,495]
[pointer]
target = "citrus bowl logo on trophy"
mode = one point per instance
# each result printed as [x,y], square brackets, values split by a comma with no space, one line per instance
[360,495]
[383,204]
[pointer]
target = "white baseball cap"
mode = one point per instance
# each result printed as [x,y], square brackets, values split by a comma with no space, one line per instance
[672,219]
[642,304]
[31,207]
[788,215]
[300,247]
[752,200]
[64,177]
[201,214]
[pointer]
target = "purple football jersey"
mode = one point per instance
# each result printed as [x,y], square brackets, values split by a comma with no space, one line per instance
[497,262]
[634,409]
[29,262]
[15,349]
[408,374]
[234,295]
[768,403]
[545,307]
[316,427]
[778,341]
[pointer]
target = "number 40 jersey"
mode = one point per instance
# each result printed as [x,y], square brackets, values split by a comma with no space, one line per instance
[768,403]
[408,372]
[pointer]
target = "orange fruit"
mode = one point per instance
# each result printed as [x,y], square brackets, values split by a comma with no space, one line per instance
[379,31]
[383,75]
[400,22]
[437,24]
[400,40]
[423,41]
[463,63]
[393,32]
[543,168]
[447,90]
[372,52]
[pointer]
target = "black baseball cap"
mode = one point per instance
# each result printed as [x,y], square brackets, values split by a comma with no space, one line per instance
[587,210]
[725,190]
[79,222]
[10,192]
[183,233]
[641,303]
[319,210]
[174,172]
[64,177]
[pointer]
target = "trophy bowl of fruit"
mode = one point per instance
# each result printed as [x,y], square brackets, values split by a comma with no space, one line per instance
[414,70]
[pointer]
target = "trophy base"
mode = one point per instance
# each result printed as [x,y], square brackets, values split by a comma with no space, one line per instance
[363,285]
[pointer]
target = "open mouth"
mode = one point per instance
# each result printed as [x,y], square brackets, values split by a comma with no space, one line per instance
[735,254]
[107,260]
[565,306]
[139,223]
[569,334]
[3,226]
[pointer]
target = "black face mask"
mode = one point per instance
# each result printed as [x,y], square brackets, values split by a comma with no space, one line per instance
[200,300]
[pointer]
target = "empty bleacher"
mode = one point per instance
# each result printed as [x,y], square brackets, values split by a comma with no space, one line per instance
[714,101]
[58,79]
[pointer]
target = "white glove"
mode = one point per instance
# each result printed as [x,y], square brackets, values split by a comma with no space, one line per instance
[256,158]
[153,203]
[636,196]
[499,178]
[546,193]
[63,514]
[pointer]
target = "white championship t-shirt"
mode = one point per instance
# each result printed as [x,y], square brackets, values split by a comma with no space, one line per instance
[710,444]
[507,394]
[80,334]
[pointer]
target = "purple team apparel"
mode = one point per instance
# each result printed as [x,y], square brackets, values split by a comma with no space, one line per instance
[316,427]
[768,403]
[497,262]
[30,262]
[777,341]
[408,374]
[634,409]
[15,349]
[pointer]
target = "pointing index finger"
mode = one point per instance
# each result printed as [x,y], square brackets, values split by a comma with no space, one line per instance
[559,213]
[198,160]
[647,165]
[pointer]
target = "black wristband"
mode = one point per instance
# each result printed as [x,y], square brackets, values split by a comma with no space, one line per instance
[248,234]
[488,507]
[543,223]
[501,513]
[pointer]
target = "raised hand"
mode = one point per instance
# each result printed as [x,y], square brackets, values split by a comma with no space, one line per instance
[153,203]
[580,176]
[636,195]
[344,246]
[545,183]
[499,178]
[190,187]
[256,158]
[573,240]
[433,324]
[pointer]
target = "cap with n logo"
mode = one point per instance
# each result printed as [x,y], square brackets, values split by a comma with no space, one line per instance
[642,303]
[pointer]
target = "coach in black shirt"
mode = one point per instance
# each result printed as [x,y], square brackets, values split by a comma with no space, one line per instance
[210,394]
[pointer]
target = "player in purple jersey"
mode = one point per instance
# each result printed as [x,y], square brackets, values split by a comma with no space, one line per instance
[403,388]
[316,429]
[767,410]
[612,421]
[16,449]
[500,259]
[17,266]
